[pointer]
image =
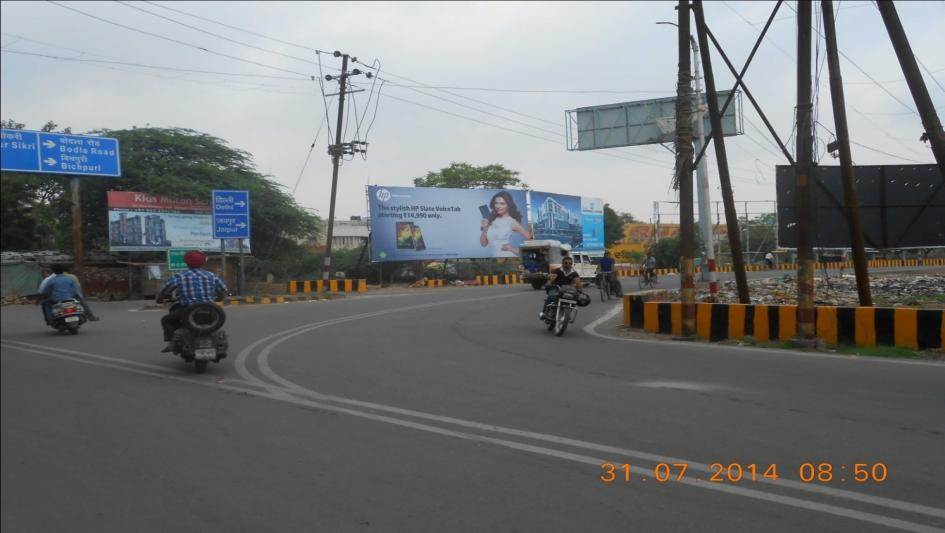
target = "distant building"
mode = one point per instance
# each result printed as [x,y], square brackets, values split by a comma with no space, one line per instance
[346,234]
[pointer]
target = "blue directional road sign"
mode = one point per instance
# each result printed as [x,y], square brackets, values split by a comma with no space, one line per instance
[230,214]
[59,153]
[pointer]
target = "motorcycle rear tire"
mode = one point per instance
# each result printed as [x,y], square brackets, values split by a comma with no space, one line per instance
[200,365]
[74,330]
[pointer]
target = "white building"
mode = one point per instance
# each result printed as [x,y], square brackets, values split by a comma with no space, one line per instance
[347,234]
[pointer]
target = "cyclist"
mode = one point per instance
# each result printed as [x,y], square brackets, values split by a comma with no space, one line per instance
[605,269]
[649,267]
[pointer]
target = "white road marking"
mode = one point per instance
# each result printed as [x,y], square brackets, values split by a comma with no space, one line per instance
[266,369]
[731,489]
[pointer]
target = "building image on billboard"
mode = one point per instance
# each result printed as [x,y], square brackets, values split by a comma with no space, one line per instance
[557,217]
[127,231]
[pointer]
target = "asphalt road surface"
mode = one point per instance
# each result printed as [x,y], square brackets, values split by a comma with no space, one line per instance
[455,410]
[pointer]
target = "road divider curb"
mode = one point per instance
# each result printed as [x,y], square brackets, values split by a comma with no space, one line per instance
[295,287]
[916,329]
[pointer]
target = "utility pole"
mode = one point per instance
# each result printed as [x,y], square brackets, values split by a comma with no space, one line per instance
[802,171]
[920,93]
[336,151]
[851,202]
[77,252]
[702,176]
[718,140]
[684,157]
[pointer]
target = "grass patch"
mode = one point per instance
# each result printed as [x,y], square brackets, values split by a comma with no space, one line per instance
[875,351]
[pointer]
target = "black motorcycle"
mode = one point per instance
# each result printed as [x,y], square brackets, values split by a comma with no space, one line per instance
[200,338]
[563,308]
[67,316]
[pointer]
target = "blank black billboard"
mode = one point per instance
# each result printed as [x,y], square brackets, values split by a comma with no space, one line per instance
[901,206]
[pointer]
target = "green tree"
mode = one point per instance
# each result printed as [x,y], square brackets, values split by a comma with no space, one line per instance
[466,176]
[613,227]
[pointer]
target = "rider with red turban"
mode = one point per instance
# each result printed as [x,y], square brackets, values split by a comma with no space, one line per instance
[195,285]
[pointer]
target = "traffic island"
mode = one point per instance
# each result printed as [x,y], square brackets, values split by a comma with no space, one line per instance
[862,327]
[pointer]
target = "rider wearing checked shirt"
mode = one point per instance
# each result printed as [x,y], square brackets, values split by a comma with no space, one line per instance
[193,286]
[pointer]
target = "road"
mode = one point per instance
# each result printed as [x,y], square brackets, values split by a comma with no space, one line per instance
[453,410]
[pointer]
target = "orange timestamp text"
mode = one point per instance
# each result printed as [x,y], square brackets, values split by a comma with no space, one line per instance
[808,472]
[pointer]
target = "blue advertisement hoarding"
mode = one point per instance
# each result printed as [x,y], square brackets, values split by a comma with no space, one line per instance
[425,223]
[574,220]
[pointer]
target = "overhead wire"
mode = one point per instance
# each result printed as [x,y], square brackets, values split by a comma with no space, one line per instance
[223,37]
[862,71]
[177,41]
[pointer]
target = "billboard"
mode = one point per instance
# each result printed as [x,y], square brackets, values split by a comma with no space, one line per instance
[424,223]
[141,222]
[901,206]
[574,220]
[642,122]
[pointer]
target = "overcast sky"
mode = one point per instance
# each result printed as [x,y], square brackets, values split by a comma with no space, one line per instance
[553,46]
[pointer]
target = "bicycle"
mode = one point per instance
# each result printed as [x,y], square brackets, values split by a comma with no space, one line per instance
[604,281]
[646,280]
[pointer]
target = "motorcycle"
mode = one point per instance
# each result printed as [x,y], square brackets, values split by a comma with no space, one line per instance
[563,309]
[68,315]
[201,339]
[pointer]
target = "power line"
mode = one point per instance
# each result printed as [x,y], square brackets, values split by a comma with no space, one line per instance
[156,67]
[201,30]
[872,79]
[250,32]
[170,39]
[228,84]
[532,91]
[539,137]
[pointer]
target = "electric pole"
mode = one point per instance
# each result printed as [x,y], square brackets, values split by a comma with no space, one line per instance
[851,202]
[684,155]
[702,177]
[802,172]
[336,151]
[920,93]
[721,156]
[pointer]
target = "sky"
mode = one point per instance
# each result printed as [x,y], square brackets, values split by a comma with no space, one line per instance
[600,53]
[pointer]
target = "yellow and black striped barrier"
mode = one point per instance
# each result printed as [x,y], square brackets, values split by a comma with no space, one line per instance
[499,279]
[334,285]
[917,329]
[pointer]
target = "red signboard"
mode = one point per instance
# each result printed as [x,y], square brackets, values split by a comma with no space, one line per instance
[134,201]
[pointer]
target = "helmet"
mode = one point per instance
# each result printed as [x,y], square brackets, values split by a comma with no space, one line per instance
[195,258]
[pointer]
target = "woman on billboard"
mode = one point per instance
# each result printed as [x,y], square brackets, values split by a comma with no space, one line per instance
[500,219]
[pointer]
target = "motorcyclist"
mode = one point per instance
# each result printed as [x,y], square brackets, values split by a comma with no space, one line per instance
[605,268]
[560,277]
[194,285]
[60,286]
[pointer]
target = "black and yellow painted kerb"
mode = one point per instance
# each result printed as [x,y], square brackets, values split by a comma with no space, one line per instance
[500,279]
[916,329]
[334,285]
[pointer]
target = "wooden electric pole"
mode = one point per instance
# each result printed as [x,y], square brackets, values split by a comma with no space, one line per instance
[802,170]
[684,156]
[851,202]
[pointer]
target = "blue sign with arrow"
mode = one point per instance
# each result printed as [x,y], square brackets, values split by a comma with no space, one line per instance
[59,153]
[230,214]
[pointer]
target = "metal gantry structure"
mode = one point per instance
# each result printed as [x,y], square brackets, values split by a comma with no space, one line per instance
[802,162]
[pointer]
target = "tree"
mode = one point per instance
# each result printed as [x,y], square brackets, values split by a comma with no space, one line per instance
[175,162]
[613,227]
[626,218]
[466,176]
